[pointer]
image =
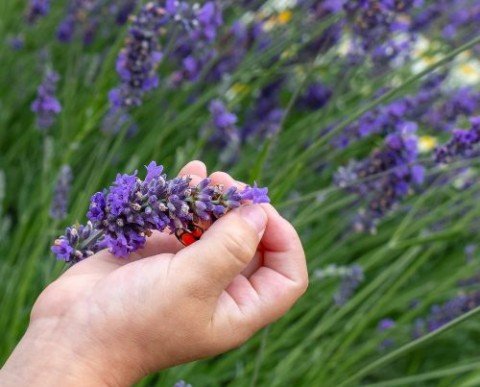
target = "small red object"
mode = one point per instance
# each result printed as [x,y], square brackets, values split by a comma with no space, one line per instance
[189,235]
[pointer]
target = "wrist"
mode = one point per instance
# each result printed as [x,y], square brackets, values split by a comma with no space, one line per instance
[49,355]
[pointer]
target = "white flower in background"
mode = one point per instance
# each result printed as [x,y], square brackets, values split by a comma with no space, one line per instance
[424,54]
[427,143]
[466,71]
[281,5]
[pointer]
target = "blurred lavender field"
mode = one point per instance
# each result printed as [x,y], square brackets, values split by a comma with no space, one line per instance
[361,116]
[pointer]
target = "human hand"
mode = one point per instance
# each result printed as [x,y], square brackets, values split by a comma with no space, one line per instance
[111,321]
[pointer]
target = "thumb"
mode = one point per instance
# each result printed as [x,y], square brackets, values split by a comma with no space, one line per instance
[224,250]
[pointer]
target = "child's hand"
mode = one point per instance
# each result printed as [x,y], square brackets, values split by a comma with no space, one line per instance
[111,321]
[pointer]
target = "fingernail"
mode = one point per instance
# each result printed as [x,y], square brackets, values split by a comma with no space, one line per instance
[256,216]
[240,184]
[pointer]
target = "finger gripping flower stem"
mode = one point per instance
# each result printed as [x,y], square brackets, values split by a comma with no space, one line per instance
[121,217]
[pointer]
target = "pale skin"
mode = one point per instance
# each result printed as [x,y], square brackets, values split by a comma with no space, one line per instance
[109,321]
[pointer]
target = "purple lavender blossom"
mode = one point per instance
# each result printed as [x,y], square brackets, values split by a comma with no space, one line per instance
[375,24]
[61,194]
[374,27]
[123,10]
[37,9]
[473,280]
[116,121]
[463,144]
[182,383]
[80,14]
[16,43]
[194,46]
[137,62]
[123,216]
[351,281]
[384,325]
[66,29]
[463,102]
[321,11]
[452,20]
[445,313]
[255,194]
[316,97]
[397,169]
[226,134]
[266,116]
[241,38]
[224,122]
[46,105]
[85,18]
[391,117]
[78,243]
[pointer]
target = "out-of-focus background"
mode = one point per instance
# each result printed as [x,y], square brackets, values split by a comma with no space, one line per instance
[360,117]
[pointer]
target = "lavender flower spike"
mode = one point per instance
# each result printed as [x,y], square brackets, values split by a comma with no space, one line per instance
[61,193]
[349,285]
[124,215]
[138,60]
[464,143]
[443,314]
[227,134]
[46,105]
[37,9]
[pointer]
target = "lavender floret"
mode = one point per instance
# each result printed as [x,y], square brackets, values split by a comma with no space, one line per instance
[78,243]
[255,194]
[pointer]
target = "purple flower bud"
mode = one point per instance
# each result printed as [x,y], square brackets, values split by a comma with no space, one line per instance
[255,194]
[386,324]
[78,243]
[63,250]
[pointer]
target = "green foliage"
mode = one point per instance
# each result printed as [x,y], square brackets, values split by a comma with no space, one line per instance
[316,343]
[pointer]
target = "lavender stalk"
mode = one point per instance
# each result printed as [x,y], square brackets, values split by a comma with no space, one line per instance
[124,215]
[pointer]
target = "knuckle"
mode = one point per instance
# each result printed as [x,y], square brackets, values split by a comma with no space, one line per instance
[197,290]
[300,286]
[240,246]
[230,339]
[303,285]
